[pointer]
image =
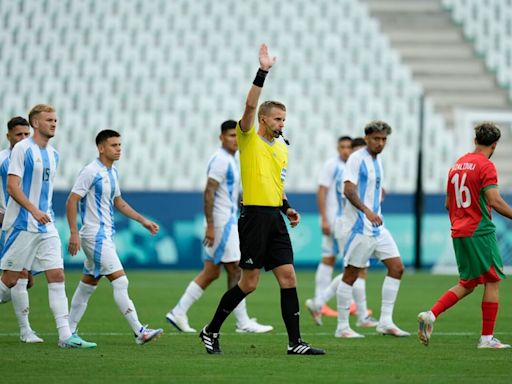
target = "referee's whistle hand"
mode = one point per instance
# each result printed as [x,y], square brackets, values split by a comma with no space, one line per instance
[293,216]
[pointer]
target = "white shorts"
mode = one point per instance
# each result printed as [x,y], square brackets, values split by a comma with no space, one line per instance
[32,251]
[329,246]
[358,248]
[101,257]
[226,246]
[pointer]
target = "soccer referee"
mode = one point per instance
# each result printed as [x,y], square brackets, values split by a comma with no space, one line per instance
[264,239]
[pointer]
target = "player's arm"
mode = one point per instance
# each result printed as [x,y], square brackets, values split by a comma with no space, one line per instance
[15,191]
[292,215]
[251,104]
[208,197]
[352,196]
[321,198]
[494,199]
[71,214]
[125,208]
[1,219]
[446,202]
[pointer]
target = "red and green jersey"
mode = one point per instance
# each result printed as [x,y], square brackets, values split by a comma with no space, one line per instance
[468,179]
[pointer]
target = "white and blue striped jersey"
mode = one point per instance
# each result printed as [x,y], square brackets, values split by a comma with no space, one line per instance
[332,179]
[36,166]
[366,173]
[223,168]
[4,168]
[97,186]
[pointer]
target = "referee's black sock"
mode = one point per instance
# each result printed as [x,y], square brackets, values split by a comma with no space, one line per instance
[229,301]
[290,313]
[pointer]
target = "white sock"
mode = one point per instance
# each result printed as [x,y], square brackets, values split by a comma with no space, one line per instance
[189,297]
[59,306]
[323,278]
[344,295]
[328,293]
[389,294]
[359,294]
[486,337]
[240,313]
[79,303]
[20,303]
[125,305]
[5,293]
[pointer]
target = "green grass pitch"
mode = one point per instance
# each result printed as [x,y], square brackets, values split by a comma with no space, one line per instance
[452,356]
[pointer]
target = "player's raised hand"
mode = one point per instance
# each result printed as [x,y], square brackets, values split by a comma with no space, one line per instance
[151,226]
[293,216]
[74,244]
[266,62]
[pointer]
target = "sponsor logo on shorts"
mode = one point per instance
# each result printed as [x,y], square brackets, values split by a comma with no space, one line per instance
[249,261]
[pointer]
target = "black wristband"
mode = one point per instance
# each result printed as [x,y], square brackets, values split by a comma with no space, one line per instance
[284,208]
[260,77]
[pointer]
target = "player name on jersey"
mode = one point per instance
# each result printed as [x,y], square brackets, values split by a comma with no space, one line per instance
[464,167]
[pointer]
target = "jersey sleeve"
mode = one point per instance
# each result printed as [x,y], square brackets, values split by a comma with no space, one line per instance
[117,191]
[218,168]
[351,172]
[17,162]
[83,183]
[2,202]
[326,174]
[488,175]
[242,137]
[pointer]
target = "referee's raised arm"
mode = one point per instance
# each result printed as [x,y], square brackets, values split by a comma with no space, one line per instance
[251,103]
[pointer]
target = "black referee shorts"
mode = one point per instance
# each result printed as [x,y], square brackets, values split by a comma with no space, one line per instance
[264,239]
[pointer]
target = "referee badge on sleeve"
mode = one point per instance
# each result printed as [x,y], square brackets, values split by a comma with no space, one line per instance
[283,174]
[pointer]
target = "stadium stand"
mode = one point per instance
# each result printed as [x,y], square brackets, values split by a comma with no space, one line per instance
[489,25]
[166,74]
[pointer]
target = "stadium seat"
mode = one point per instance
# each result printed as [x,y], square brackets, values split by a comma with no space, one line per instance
[166,74]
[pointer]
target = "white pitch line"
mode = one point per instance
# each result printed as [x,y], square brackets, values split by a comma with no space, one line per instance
[174,333]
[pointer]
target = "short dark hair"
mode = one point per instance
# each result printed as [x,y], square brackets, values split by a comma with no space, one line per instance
[228,124]
[105,135]
[17,120]
[377,126]
[344,138]
[487,133]
[358,142]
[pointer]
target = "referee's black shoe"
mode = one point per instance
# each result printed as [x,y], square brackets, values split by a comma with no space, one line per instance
[210,341]
[302,348]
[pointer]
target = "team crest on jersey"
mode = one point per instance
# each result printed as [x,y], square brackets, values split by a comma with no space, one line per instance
[283,174]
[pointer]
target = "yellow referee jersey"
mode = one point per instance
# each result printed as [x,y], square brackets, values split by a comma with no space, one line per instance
[263,168]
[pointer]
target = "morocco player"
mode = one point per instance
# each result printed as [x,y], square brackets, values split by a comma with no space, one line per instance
[471,193]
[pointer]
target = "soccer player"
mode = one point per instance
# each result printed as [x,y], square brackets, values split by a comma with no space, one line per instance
[363,233]
[30,239]
[316,305]
[472,190]
[264,239]
[18,129]
[330,206]
[221,200]
[97,191]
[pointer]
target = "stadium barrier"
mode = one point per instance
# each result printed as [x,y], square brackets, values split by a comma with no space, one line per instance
[180,216]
